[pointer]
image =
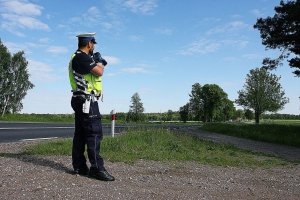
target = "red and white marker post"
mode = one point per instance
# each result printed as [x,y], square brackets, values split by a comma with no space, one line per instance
[113,122]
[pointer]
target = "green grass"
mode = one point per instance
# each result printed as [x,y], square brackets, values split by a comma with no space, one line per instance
[287,134]
[281,121]
[163,145]
[56,118]
[62,118]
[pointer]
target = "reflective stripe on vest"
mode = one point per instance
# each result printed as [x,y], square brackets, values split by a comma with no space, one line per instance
[84,83]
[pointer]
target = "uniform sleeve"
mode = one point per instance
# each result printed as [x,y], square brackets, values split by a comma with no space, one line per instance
[83,63]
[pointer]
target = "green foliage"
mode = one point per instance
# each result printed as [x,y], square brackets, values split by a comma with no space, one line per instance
[163,145]
[62,118]
[14,80]
[262,92]
[287,134]
[249,114]
[184,113]
[214,100]
[195,105]
[136,109]
[207,103]
[282,32]
[60,147]
[280,116]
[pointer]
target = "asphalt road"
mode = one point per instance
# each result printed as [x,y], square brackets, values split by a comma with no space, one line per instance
[11,132]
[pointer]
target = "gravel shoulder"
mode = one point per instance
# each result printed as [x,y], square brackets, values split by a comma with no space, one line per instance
[286,152]
[36,177]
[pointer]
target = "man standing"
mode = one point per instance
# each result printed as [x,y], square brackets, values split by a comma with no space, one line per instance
[85,73]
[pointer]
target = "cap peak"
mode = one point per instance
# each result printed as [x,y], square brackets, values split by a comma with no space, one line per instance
[91,34]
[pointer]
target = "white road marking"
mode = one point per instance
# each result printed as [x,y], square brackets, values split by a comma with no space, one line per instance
[18,128]
[50,138]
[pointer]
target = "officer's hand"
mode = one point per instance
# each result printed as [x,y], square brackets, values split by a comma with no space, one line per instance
[98,58]
[103,61]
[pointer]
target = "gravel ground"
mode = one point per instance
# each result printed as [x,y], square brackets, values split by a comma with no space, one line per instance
[35,177]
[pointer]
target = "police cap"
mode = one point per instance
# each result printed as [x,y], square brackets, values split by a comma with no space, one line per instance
[87,37]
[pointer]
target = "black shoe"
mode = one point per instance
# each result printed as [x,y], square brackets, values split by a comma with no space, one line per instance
[101,175]
[83,172]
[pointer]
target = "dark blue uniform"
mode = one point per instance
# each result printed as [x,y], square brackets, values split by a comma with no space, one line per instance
[88,127]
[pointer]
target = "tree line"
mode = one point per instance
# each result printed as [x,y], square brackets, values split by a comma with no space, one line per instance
[261,92]
[14,80]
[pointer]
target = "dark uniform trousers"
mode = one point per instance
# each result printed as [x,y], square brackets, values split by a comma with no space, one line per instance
[88,131]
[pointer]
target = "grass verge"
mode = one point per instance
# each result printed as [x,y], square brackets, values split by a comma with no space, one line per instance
[288,134]
[61,118]
[163,145]
[56,118]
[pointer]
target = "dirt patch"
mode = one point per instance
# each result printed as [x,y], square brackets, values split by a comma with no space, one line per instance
[36,177]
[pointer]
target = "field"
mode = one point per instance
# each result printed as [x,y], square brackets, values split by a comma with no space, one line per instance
[279,131]
[55,118]
[280,121]
[163,145]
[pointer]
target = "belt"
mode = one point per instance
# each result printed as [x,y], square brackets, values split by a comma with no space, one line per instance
[80,95]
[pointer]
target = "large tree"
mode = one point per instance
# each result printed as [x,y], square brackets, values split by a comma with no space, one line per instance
[282,31]
[14,80]
[226,111]
[184,112]
[196,104]
[207,103]
[214,100]
[136,108]
[262,92]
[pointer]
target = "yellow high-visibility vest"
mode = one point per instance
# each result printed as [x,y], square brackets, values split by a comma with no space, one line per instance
[87,83]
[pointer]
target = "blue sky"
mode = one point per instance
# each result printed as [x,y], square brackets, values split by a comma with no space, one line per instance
[158,48]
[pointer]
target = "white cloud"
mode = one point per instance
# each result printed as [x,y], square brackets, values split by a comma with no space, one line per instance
[253,56]
[94,17]
[21,7]
[206,46]
[14,48]
[141,6]
[134,70]
[40,71]
[229,27]
[111,60]
[211,20]
[20,14]
[136,38]
[19,21]
[44,40]
[164,31]
[202,46]
[90,18]
[57,49]
[236,43]
[257,13]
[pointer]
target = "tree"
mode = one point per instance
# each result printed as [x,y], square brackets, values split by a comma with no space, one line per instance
[213,99]
[282,31]
[196,104]
[239,114]
[227,110]
[249,114]
[136,109]
[14,80]
[184,113]
[169,115]
[208,103]
[262,92]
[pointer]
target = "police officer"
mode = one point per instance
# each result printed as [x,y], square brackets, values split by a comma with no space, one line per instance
[85,78]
